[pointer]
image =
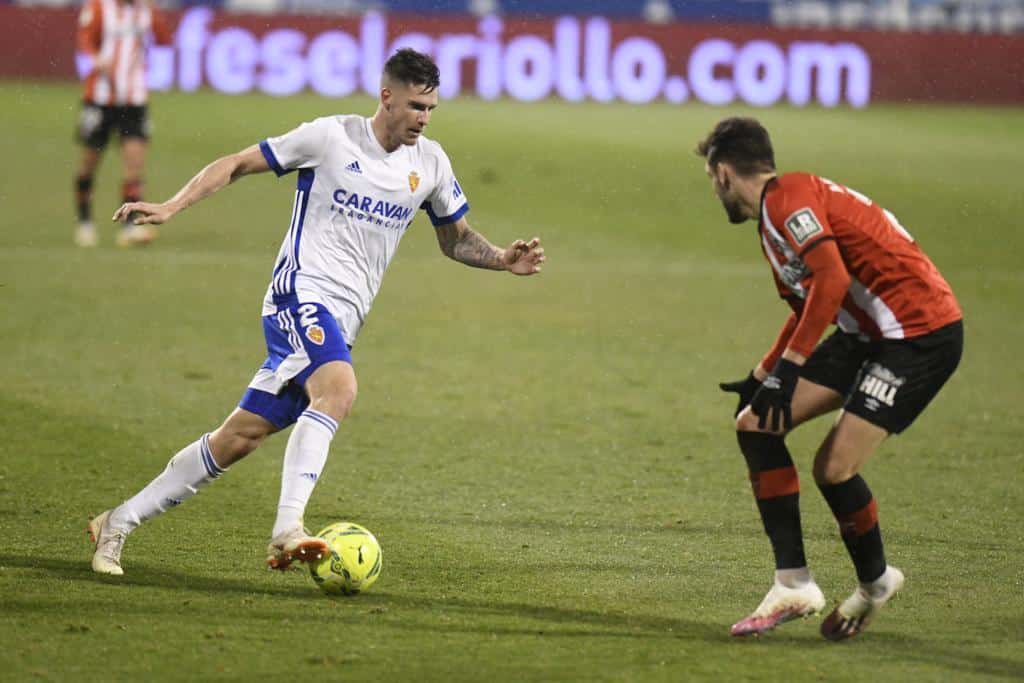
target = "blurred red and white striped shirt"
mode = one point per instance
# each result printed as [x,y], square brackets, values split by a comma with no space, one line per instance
[114,33]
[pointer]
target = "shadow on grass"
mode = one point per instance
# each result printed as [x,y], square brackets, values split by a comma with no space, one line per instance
[423,613]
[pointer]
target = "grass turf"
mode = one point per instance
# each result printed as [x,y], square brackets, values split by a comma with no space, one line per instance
[547,462]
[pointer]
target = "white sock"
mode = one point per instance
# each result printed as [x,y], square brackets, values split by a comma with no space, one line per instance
[793,578]
[192,468]
[304,460]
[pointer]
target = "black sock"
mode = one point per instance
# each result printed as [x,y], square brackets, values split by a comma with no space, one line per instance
[777,490]
[83,198]
[857,514]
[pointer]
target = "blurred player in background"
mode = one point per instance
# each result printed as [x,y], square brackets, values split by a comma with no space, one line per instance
[114,33]
[360,183]
[837,257]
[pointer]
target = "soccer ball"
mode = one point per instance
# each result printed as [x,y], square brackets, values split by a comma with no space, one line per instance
[352,563]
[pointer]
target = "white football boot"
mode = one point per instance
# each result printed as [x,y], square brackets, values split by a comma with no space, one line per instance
[85,235]
[782,604]
[136,235]
[294,545]
[109,544]
[856,612]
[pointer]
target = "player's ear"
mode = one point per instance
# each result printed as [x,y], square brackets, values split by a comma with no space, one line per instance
[385,98]
[722,175]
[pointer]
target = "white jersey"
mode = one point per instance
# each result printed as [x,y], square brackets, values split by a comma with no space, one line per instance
[353,203]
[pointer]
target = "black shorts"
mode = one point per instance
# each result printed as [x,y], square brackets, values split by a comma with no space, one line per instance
[887,382]
[95,123]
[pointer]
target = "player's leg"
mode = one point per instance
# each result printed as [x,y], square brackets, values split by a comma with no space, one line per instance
[776,488]
[824,380]
[92,134]
[309,358]
[897,382]
[331,389]
[134,129]
[848,446]
[191,468]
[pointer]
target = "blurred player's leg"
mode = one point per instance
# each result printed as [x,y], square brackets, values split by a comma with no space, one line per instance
[93,132]
[193,467]
[332,390]
[133,157]
[776,487]
[849,445]
[85,233]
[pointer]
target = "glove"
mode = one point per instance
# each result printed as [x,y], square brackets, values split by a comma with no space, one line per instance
[744,387]
[772,400]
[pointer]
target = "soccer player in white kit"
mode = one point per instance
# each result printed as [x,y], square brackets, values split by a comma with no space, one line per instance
[360,182]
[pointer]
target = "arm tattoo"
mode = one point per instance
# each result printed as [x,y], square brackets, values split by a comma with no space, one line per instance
[469,247]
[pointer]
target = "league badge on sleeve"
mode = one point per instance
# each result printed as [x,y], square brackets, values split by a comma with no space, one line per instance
[802,225]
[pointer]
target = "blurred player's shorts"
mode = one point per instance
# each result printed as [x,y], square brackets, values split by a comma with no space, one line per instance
[95,123]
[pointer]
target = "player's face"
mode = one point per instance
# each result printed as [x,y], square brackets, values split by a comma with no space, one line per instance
[408,110]
[725,190]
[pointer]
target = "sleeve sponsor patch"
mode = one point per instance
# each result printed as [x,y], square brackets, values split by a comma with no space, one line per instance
[802,225]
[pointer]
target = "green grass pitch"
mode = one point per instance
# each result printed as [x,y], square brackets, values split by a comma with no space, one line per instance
[547,462]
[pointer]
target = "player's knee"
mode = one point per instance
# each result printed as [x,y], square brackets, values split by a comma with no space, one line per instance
[231,443]
[831,468]
[747,421]
[337,402]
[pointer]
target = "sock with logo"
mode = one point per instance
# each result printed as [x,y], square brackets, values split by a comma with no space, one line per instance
[83,198]
[777,491]
[304,460]
[857,514]
[189,470]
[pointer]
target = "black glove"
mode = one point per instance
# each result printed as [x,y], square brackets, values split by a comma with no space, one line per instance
[773,399]
[745,388]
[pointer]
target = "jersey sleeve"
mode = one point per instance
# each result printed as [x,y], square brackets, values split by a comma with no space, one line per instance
[797,213]
[161,27]
[302,147]
[446,202]
[90,28]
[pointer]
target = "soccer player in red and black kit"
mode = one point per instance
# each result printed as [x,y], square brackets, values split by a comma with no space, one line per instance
[837,258]
[113,34]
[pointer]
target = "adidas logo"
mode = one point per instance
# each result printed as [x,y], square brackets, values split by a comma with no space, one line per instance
[354,167]
[310,475]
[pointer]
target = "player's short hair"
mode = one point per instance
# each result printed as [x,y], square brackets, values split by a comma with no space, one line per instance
[412,68]
[740,141]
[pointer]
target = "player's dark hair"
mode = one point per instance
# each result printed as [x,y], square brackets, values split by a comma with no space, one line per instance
[741,141]
[413,68]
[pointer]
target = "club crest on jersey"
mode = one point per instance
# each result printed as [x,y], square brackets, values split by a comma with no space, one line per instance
[315,334]
[802,225]
[414,181]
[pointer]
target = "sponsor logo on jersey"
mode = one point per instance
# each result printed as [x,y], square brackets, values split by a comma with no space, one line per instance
[793,273]
[315,334]
[802,225]
[370,208]
[354,168]
[414,181]
[880,385]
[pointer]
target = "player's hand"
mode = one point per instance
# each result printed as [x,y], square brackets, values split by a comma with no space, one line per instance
[745,388]
[524,258]
[772,401]
[140,213]
[101,66]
